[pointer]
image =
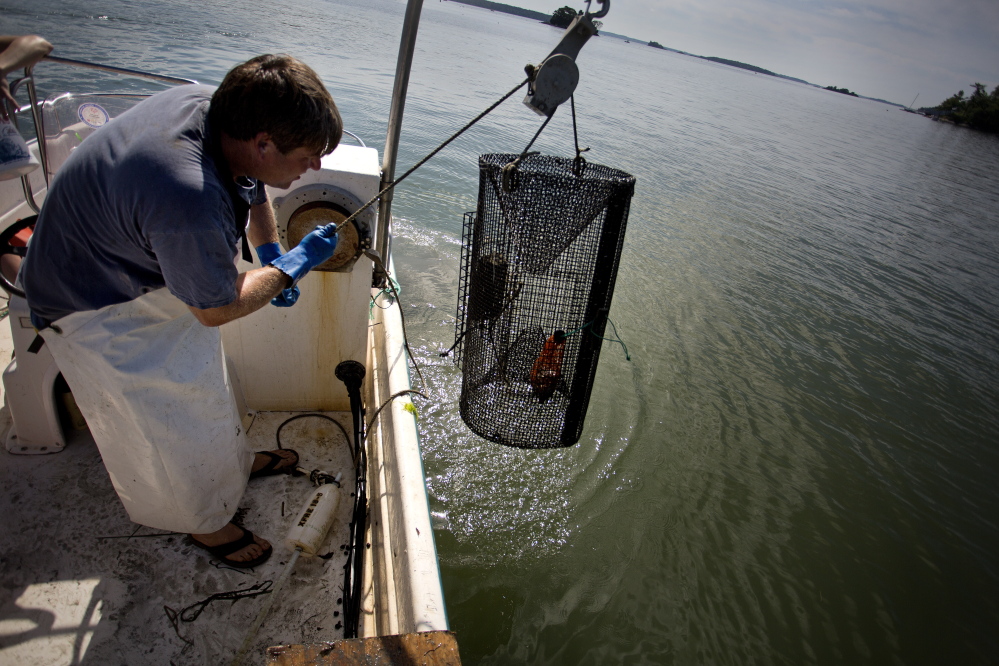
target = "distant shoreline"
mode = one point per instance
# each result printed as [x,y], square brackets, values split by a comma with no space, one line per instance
[506,9]
[543,18]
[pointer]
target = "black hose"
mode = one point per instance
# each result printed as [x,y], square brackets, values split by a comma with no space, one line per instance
[351,373]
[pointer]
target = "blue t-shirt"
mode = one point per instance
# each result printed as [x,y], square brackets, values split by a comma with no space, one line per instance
[146,201]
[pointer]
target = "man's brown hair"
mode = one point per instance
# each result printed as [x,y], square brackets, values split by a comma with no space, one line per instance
[282,96]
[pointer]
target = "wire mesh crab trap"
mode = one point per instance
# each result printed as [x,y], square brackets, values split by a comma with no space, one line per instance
[539,261]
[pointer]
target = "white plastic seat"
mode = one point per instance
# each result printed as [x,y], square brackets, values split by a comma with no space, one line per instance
[29,383]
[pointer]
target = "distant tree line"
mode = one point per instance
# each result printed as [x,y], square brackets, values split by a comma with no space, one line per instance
[844,91]
[563,16]
[980,111]
[506,9]
[740,65]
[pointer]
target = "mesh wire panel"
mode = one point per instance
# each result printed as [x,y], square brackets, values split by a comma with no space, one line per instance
[539,261]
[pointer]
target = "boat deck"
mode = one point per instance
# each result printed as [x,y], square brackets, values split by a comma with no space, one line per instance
[83,584]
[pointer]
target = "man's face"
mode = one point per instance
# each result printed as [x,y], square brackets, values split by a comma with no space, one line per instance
[280,170]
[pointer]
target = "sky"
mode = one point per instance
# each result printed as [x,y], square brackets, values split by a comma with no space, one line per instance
[887,49]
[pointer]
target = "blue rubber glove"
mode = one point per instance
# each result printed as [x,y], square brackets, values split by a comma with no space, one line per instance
[267,253]
[314,249]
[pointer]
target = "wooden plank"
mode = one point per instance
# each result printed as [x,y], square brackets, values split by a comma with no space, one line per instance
[430,648]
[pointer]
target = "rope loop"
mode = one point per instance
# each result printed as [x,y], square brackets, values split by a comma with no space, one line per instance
[616,338]
[510,178]
[578,164]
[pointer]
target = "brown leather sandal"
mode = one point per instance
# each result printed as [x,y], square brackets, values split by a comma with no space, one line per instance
[271,468]
[222,551]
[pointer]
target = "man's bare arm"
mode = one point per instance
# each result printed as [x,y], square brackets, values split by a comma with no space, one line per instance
[263,225]
[254,290]
[17,52]
[21,51]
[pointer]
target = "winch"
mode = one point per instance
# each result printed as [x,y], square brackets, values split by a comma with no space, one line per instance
[317,204]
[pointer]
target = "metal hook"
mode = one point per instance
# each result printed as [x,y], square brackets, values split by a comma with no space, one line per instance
[602,13]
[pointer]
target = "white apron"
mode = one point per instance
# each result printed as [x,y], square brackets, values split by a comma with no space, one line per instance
[152,383]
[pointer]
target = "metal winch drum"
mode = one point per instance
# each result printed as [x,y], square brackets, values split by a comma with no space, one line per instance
[305,208]
[539,262]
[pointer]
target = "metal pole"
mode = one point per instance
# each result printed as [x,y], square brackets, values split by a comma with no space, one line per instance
[36,117]
[119,70]
[406,48]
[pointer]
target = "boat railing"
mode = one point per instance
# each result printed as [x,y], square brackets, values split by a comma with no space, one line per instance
[35,107]
[120,70]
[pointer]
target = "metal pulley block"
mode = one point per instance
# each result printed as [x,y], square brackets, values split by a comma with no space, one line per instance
[555,79]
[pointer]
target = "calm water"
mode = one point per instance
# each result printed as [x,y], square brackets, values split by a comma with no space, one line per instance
[798,465]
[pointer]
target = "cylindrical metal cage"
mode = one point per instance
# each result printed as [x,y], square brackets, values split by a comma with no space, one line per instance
[539,262]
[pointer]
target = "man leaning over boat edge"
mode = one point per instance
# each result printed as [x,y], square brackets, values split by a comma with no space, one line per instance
[131,269]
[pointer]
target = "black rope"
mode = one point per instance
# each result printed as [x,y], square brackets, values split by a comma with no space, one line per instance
[510,170]
[191,613]
[318,416]
[577,164]
[392,397]
[432,153]
[173,617]
[353,568]
[457,341]
[536,135]
[402,317]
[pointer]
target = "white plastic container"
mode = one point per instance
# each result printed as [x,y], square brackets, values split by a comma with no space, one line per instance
[314,522]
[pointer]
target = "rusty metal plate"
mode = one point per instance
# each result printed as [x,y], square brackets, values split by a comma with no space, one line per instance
[311,215]
[428,648]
